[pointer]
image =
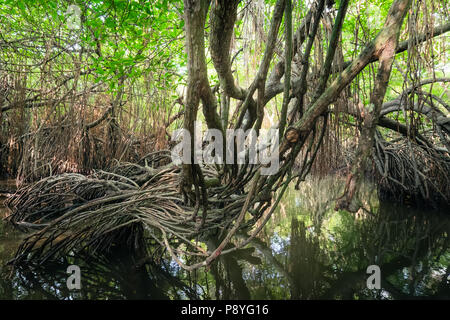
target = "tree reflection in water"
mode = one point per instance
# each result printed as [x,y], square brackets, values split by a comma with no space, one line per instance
[325,254]
[308,252]
[103,277]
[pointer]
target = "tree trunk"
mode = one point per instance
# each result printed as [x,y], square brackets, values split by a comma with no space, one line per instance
[371,114]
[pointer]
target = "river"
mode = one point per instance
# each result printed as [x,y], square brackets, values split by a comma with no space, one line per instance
[307,251]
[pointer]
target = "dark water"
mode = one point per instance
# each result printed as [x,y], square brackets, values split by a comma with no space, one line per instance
[308,251]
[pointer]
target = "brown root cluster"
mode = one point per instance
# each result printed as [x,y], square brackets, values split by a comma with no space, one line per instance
[412,173]
[128,205]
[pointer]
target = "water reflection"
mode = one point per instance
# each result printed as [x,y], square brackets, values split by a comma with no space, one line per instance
[308,251]
[326,253]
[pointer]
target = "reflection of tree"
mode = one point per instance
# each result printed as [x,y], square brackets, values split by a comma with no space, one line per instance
[102,277]
[315,197]
[349,283]
[408,246]
[304,263]
[228,275]
[303,269]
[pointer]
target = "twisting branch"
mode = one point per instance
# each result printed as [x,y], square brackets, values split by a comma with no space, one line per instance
[367,139]
[336,33]
[275,87]
[373,49]
[287,62]
[222,19]
[260,79]
[300,90]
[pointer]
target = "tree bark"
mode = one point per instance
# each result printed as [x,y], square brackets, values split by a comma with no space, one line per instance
[371,115]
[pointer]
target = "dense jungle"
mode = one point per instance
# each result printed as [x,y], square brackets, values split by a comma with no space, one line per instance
[326,149]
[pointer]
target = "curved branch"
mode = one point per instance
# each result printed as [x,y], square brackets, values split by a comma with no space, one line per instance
[403,46]
[275,88]
[222,19]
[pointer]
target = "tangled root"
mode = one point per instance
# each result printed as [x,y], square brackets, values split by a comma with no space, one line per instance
[126,205]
